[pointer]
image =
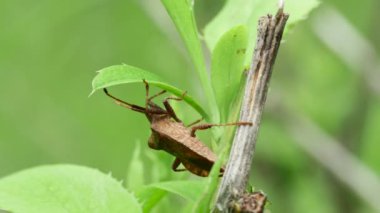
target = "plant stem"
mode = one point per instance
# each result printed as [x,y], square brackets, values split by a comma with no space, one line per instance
[236,176]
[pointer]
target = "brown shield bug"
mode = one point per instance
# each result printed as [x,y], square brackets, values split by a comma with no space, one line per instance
[171,135]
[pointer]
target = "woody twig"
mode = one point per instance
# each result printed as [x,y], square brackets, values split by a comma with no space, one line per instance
[235,179]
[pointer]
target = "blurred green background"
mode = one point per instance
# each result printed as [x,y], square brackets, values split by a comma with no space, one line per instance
[319,140]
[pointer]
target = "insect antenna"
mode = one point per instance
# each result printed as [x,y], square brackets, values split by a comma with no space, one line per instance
[125,104]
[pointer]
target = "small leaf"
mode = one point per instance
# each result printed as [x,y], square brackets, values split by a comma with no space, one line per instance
[233,13]
[156,173]
[182,14]
[247,12]
[150,196]
[135,177]
[64,188]
[190,190]
[124,74]
[228,66]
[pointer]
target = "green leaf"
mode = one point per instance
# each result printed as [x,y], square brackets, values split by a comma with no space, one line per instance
[247,12]
[152,194]
[228,66]
[150,197]
[124,74]
[64,188]
[182,14]
[188,189]
[135,177]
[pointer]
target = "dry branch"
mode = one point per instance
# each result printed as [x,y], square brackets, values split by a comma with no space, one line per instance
[236,176]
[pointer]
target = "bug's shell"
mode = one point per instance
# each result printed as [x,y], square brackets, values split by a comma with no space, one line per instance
[176,139]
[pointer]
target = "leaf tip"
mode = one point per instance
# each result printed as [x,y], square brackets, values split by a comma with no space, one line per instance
[94,87]
[92,92]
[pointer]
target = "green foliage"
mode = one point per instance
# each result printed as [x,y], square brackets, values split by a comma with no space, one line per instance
[64,188]
[230,38]
[151,194]
[243,12]
[227,68]
[188,189]
[182,14]
[150,197]
[135,176]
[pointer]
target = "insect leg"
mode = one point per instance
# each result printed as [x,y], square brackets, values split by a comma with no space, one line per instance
[169,108]
[208,126]
[175,165]
[195,122]
[156,95]
[146,93]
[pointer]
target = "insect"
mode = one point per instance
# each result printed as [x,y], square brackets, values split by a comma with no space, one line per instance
[171,135]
